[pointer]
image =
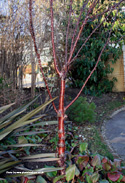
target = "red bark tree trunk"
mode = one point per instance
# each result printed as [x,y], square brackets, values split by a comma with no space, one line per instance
[61,116]
[69,59]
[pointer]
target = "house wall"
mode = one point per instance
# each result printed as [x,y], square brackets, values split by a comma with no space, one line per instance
[26,80]
[119,73]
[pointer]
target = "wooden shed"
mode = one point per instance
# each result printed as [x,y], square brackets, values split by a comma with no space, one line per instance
[119,73]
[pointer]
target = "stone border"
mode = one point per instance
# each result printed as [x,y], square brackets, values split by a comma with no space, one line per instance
[116,112]
[103,131]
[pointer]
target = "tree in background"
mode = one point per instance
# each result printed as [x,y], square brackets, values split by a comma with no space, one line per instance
[62,66]
[86,59]
[12,44]
[16,46]
[11,54]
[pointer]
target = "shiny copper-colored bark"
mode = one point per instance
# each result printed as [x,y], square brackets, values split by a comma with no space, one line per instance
[61,132]
[63,71]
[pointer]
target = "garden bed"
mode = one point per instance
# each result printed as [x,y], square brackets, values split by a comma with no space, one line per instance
[84,132]
[88,132]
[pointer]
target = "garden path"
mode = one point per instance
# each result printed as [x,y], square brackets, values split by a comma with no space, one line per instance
[115,132]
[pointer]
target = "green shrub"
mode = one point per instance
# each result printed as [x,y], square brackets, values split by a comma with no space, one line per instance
[82,111]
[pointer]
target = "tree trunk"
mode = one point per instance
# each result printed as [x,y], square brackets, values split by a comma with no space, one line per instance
[61,133]
[21,77]
[33,74]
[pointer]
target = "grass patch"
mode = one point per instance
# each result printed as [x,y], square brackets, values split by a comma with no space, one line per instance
[96,145]
[114,104]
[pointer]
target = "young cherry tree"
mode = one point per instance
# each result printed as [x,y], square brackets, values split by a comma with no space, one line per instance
[92,10]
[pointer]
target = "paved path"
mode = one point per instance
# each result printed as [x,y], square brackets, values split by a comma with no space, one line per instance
[115,132]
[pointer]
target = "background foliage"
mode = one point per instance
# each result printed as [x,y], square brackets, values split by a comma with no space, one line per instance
[86,60]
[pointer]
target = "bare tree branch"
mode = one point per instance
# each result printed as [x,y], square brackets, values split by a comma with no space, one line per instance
[67,33]
[93,68]
[81,11]
[81,29]
[36,50]
[113,7]
[89,38]
[52,37]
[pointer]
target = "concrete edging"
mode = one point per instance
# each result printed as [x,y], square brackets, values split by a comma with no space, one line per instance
[103,131]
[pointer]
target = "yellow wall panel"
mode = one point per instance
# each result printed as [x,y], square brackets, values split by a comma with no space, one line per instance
[119,74]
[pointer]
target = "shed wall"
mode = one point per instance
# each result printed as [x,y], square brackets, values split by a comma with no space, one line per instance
[119,74]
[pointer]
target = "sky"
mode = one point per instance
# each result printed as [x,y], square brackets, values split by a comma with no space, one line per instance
[3,7]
